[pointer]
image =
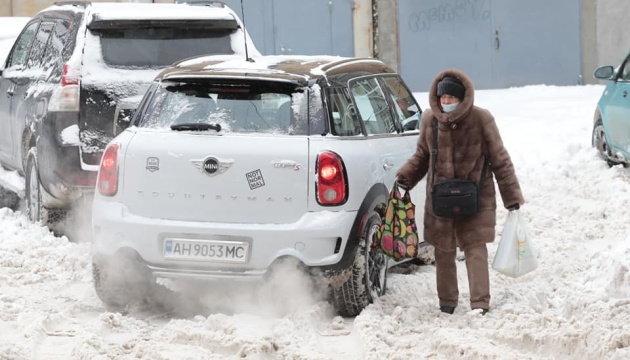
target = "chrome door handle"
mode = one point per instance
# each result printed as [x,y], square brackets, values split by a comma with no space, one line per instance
[388,166]
[11,90]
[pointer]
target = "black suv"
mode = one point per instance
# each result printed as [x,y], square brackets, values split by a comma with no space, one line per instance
[75,75]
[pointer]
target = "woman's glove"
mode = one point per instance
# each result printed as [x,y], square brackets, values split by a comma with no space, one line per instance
[402,183]
[514,207]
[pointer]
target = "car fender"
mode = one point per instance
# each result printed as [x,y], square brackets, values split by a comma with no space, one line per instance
[597,115]
[375,197]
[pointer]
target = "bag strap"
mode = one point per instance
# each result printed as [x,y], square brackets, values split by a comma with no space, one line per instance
[434,150]
[482,180]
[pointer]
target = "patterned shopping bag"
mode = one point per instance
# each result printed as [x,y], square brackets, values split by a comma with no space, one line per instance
[397,236]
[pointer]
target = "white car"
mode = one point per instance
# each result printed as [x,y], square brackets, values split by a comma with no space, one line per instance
[232,165]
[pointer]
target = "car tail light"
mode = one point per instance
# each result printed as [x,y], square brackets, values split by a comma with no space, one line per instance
[66,96]
[332,185]
[108,174]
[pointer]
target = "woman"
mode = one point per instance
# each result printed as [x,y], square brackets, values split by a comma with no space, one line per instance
[467,138]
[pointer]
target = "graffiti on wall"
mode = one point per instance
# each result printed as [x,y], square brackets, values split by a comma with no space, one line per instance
[449,11]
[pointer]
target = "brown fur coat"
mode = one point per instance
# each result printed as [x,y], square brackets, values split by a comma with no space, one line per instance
[465,135]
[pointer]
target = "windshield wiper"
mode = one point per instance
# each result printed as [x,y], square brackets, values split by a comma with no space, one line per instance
[196,127]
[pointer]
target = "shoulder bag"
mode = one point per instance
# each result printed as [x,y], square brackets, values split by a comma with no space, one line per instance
[454,198]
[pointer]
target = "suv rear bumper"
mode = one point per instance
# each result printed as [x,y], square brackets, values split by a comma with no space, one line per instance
[317,240]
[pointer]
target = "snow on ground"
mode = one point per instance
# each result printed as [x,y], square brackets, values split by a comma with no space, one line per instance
[575,306]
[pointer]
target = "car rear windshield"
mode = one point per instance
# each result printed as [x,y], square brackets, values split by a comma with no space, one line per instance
[161,45]
[238,107]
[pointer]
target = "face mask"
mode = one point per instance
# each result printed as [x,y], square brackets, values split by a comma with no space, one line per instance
[449,107]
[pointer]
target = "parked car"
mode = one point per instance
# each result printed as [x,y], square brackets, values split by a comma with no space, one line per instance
[75,75]
[9,31]
[231,166]
[611,128]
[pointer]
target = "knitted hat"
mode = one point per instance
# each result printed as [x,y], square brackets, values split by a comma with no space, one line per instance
[451,86]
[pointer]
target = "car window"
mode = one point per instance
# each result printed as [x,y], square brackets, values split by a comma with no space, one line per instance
[341,112]
[159,47]
[256,107]
[54,55]
[372,106]
[405,105]
[625,73]
[22,46]
[63,38]
[36,56]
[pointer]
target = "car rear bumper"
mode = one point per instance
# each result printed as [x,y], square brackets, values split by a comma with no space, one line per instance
[316,240]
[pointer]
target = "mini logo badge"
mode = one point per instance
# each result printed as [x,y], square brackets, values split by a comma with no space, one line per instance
[153,164]
[212,166]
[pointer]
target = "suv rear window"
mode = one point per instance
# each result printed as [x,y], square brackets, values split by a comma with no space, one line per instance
[239,107]
[159,44]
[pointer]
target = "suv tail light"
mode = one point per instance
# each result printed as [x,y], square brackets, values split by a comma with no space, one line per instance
[332,184]
[66,96]
[107,183]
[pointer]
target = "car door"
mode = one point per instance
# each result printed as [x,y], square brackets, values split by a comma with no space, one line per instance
[617,111]
[380,125]
[13,75]
[29,102]
[407,113]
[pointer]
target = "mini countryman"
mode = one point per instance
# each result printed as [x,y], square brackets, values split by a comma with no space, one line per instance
[232,165]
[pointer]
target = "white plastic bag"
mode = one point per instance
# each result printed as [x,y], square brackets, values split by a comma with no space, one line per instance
[515,255]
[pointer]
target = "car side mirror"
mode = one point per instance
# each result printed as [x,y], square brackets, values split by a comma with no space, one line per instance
[604,72]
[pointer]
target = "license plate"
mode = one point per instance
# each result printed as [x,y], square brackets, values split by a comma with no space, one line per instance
[206,250]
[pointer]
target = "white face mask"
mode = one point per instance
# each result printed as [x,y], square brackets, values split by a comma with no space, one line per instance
[449,107]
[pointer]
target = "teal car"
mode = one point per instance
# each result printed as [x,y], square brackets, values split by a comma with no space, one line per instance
[611,123]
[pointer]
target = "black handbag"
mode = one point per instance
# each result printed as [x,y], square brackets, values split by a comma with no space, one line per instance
[454,198]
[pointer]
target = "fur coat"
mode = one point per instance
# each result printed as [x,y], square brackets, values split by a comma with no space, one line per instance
[466,136]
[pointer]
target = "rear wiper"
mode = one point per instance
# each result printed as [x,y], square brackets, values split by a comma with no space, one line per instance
[196,127]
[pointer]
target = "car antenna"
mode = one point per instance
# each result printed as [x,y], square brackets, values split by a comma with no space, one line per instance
[245,34]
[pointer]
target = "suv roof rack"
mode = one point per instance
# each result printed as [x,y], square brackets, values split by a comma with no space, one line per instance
[74,3]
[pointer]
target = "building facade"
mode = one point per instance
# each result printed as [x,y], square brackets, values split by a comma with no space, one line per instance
[500,43]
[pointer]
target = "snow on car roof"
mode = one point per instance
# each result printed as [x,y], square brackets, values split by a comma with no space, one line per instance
[289,67]
[150,11]
[137,11]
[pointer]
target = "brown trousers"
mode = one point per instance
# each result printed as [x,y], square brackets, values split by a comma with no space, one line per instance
[478,276]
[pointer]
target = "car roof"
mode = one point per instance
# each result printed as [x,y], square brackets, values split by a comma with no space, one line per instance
[145,11]
[305,70]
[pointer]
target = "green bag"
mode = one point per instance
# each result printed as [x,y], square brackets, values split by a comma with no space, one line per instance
[397,237]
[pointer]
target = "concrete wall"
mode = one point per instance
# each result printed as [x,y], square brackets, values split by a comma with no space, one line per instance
[363,28]
[589,41]
[387,35]
[613,31]
[31,7]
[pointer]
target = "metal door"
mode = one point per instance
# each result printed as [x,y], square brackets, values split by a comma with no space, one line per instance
[498,43]
[536,42]
[299,27]
[439,34]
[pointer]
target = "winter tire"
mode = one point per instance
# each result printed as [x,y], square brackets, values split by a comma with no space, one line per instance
[599,142]
[34,195]
[121,286]
[366,279]
[33,190]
